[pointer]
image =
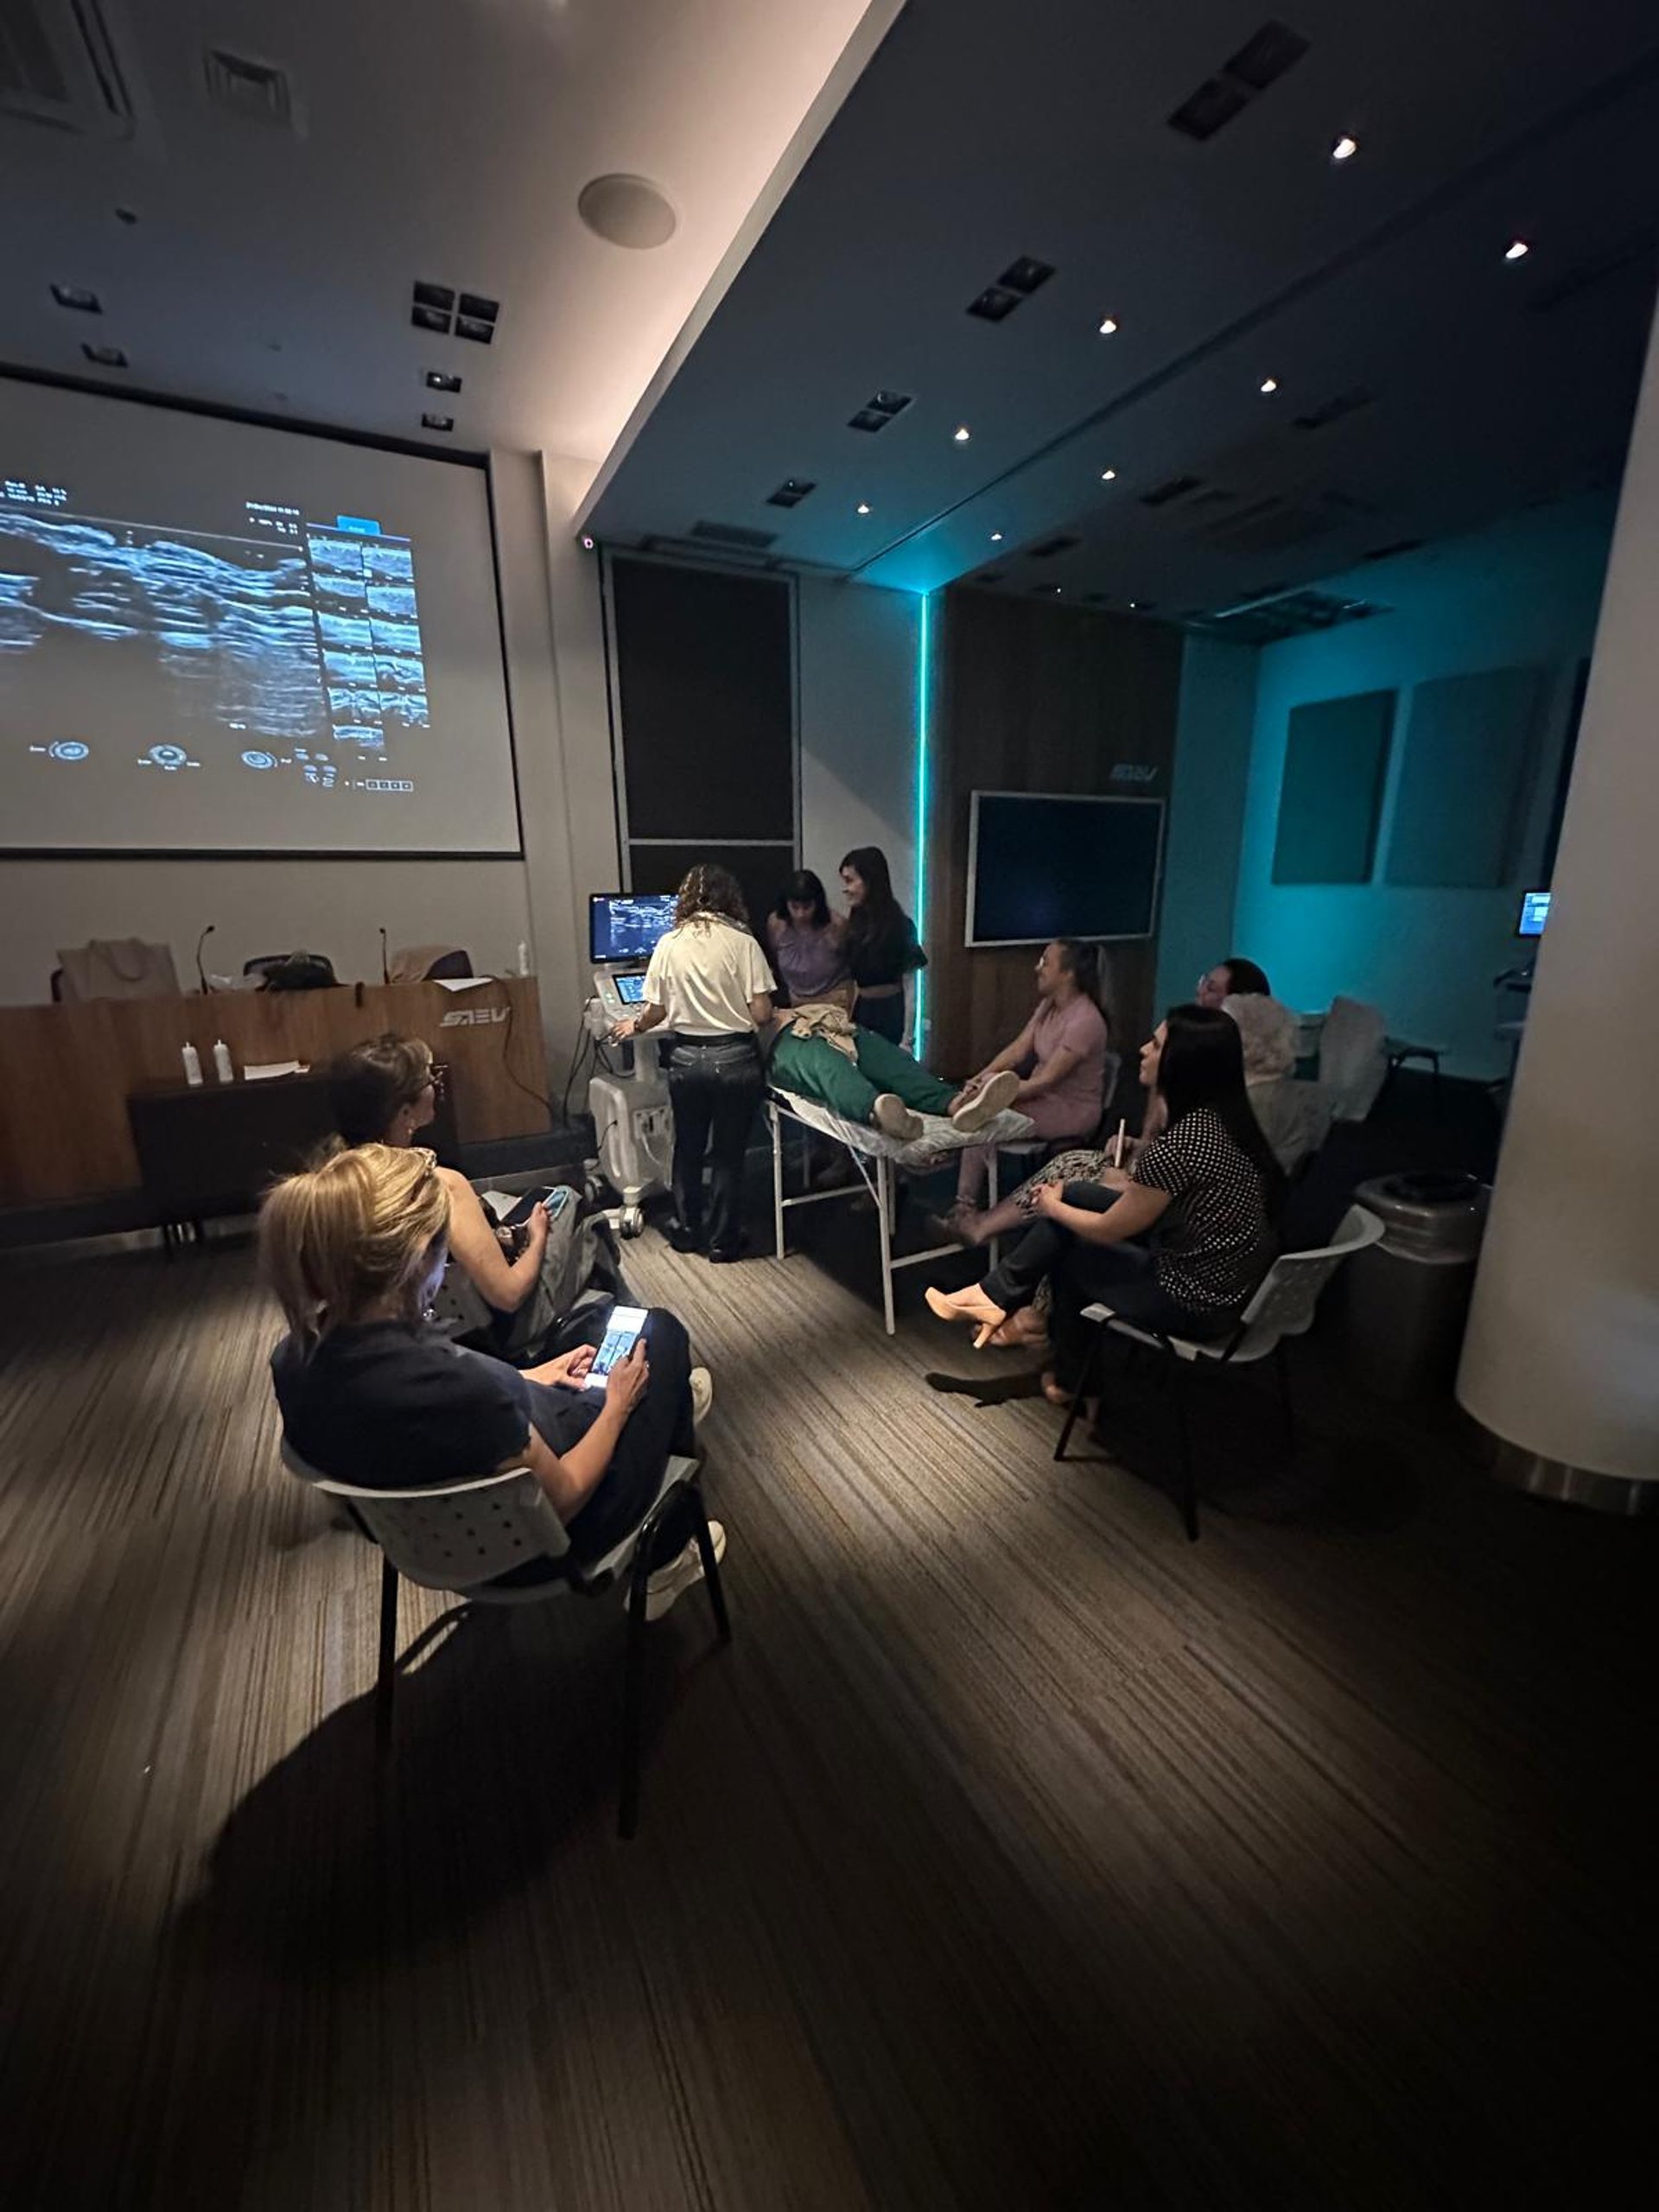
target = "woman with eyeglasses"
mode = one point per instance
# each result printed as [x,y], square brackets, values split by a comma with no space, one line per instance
[386,1091]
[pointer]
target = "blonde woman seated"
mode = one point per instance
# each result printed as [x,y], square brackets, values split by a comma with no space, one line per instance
[385,1091]
[372,1394]
[1295,1117]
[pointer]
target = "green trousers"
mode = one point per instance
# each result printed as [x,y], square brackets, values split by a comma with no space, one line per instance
[814,1069]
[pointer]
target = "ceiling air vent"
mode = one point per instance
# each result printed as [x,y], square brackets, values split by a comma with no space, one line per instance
[791,492]
[1174,487]
[877,412]
[258,92]
[58,66]
[1388,552]
[1298,614]
[1334,409]
[1052,546]
[1260,61]
[734,535]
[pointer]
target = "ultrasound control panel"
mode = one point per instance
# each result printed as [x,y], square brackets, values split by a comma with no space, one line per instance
[619,993]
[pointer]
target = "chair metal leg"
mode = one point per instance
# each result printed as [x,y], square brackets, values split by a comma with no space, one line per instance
[711,1565]
[1090,1366]
[627,1818]
[1286,1410]
[1189,1498]
[388,1670]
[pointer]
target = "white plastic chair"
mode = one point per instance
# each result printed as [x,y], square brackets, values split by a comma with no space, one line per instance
[462,1536]
[1283,1306]
[1353,1058]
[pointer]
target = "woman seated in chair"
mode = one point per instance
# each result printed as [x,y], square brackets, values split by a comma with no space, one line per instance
[1295,1117]
[370,1394]
[1059,1058]
[385,1091]
[1205,1190]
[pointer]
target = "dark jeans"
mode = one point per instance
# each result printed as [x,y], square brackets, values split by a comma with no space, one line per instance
[1123,1276]
[660,1428]
[885,1015]
[716,1085]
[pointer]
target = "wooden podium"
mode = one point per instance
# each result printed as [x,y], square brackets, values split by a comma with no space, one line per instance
[67,1071]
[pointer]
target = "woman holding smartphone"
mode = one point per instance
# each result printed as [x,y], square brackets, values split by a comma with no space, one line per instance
[372,1394]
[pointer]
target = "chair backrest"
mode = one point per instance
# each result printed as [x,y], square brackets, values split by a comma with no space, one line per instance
[1285,1297]
[456,1537]
[1353,1058]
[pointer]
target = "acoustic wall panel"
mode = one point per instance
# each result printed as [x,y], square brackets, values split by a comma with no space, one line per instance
[1461,801]
[1336,756]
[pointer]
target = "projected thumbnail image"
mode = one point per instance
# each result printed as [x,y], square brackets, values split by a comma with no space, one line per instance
[241,650]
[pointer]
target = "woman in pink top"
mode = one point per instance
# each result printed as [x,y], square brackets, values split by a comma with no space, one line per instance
[1060,1056]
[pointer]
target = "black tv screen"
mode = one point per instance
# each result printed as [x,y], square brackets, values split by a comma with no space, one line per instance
[1041,866]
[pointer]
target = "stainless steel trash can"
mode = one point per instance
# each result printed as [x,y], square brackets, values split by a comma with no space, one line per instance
[1404,1301]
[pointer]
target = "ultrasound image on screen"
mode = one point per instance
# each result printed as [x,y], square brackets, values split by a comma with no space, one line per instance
[623,927]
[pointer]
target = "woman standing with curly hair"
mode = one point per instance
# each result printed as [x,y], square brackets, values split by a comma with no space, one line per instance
[709,981]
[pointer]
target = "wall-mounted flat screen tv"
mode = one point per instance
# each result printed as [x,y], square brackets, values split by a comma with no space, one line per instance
[1043,865]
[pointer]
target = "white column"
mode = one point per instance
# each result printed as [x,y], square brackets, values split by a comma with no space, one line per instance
[1561,1359]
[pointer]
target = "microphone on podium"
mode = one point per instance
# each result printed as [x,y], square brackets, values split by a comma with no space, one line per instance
[201,973]
[385,965]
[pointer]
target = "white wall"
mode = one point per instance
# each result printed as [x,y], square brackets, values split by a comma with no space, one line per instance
[1524,592]
[1215,727]
[858,671]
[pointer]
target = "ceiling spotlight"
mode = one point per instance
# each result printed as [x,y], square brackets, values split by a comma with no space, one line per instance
[996,537]
[1133,603]
[1344,149]
[587,544]
[1108,476]
[1059,588]
[1270,385]
[77,296]
[1108,327]
[962,432]
[437,422]
[1517,250]
[440,380]
[863,507]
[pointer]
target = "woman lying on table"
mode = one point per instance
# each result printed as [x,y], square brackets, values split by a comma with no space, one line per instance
[1203,1191]
[372,1394]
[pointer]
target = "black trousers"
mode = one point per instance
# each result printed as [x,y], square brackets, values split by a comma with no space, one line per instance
[1123,1276]
[658,1428]
[885,1015]
[716,1085]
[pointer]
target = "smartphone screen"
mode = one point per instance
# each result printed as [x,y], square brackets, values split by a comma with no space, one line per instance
[621,1334]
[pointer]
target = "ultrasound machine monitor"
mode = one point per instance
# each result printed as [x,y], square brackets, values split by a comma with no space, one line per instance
[625,925]
[620,994]
[1534,912]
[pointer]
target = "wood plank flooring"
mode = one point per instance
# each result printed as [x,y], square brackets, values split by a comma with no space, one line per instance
[1016,1854]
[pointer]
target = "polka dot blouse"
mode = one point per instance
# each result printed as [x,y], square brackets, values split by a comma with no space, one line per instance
[1212,1244]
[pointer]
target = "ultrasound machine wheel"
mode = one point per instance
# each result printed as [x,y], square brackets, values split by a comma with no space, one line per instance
[630,1221]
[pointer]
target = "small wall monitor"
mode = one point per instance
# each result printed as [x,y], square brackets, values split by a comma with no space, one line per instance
[1041,865]
[1534,912]
[625,925]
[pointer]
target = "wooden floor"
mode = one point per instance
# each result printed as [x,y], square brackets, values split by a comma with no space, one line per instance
[1016,1854]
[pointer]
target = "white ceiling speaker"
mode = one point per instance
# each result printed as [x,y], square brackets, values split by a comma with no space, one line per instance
[628,211]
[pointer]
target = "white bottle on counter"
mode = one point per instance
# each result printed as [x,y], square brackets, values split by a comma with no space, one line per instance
[222,1067]
[523,960]
[192,1059]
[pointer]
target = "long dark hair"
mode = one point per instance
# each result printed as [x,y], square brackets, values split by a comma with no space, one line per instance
[709,889]
[876,909]
[1082,961]
[1203,1064]
[804,889]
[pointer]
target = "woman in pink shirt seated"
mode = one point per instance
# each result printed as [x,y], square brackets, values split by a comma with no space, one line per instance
[1059,1055]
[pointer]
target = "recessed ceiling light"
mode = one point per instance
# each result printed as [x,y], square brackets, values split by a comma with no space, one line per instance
[627,211]
[1345,149]
[105,356]
[438,381]
[126,214]
[1133,603]
[996,537]
[437,422]
[1517,250]
[77,296]
[1108,327]
[1059,588]
[1108,476]
[863,507]
[962,433]
[1269,384]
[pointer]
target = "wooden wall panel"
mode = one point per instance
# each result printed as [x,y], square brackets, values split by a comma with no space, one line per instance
[1033,697]
[67,1069]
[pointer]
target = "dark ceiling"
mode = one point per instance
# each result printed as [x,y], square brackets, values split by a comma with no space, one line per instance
[1425,383]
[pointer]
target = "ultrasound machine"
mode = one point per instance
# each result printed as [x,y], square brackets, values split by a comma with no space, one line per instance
[630,1111]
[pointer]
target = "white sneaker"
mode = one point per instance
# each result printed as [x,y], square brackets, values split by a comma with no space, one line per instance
[669,1583]
[702,1395]
[894,1119]
[987,1102]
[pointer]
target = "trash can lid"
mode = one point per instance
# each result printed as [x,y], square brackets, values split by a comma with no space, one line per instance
[1428,1214]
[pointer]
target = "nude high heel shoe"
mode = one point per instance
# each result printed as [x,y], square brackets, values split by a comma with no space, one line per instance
[972,1305]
